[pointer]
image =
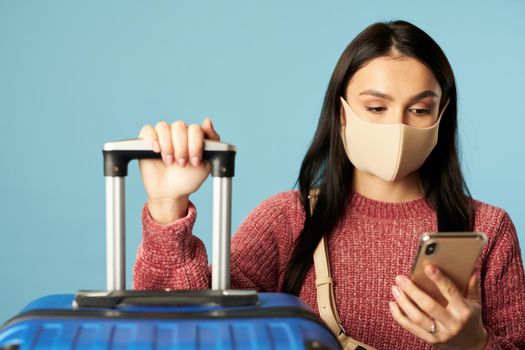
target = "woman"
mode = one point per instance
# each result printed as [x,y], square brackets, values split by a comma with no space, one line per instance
[378,194]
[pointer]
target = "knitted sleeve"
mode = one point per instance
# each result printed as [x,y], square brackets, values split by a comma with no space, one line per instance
[503,290]
[170,256]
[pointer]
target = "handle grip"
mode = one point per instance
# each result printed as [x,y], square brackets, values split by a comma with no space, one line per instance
[118,154]
[113,299]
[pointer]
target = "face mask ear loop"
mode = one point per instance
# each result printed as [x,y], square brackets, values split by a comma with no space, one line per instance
[343,103]
[439,116]
[442,110]
[342,112]
[343,126]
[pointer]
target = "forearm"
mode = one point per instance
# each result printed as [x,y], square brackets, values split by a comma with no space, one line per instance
[191,274]
[170,256]
[503,283]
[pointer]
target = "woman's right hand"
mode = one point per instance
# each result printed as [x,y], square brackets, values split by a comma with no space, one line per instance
[170,181]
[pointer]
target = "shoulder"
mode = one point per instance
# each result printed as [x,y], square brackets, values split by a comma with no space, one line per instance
[285,203]
[489,218]
[282,209]
[497,225]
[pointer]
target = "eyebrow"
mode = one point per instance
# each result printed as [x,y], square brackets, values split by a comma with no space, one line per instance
[416,97]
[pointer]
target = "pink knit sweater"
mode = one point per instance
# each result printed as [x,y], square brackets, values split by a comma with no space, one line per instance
[375,242]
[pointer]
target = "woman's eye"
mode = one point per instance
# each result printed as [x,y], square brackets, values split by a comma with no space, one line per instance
[421,111]
[375,109]
[416,111]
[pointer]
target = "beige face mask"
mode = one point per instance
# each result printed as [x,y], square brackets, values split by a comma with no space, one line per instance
[389,151]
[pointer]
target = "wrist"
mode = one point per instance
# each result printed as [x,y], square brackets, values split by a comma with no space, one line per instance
[482,342]
[167,210]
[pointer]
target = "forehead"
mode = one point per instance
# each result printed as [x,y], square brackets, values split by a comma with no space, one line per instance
[398,76]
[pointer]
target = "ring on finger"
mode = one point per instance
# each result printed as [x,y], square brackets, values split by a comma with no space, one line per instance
[432,329]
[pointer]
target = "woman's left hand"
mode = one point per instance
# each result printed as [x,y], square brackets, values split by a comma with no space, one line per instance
[456,326]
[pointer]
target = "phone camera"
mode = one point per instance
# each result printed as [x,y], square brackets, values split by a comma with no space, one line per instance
[431,249]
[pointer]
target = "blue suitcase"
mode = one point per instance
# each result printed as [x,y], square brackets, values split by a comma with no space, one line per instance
[220,318]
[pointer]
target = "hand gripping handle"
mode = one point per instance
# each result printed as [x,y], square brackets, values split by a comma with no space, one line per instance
[117,155]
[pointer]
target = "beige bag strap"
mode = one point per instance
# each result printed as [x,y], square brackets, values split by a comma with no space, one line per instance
[325,291]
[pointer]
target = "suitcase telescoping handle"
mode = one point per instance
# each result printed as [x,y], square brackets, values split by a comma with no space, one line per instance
[117,155]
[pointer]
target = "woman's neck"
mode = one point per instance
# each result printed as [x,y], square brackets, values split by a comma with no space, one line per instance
[403,190]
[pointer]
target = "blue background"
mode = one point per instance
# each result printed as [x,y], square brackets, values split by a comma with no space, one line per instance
[75,74]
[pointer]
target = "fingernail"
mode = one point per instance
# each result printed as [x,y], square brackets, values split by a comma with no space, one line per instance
[391,306]
[396,292]
[431,270]
[181,162]
[401,280]
[195,161]
[169,159]
[156,146]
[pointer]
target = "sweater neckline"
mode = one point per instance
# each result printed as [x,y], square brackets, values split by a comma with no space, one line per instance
[418,207]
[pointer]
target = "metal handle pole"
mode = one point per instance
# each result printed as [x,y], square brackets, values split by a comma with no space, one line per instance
[115,234]
[222,192]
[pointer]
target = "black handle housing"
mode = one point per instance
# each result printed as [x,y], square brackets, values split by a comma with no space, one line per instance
[116,160]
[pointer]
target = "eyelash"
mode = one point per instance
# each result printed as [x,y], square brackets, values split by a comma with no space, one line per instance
[374,110]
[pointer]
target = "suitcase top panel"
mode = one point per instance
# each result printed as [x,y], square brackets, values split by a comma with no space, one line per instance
[266,300]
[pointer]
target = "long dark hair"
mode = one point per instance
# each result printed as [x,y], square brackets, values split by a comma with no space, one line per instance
[327,167]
